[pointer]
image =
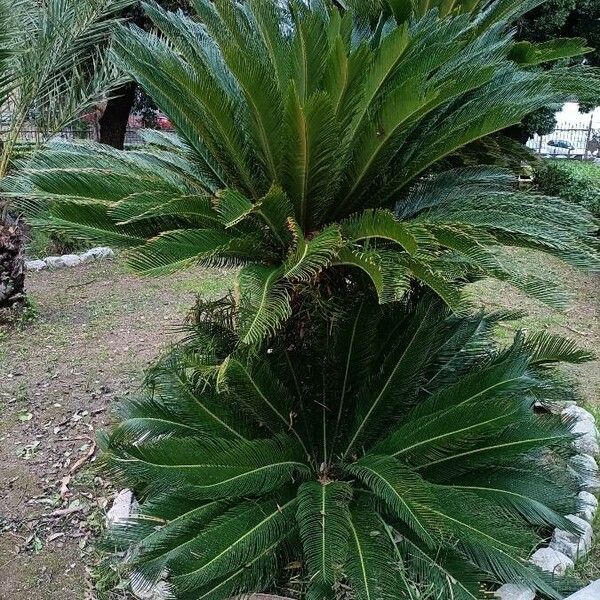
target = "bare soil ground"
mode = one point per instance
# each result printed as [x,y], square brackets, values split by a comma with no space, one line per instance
[94,331]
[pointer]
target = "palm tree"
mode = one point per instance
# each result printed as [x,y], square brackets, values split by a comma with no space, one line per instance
[52,69]
[343,415]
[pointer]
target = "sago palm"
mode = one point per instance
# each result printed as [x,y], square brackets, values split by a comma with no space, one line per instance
[301,130]
[389,452]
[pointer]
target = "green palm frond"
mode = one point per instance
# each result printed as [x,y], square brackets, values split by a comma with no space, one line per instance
[549,348]
[243,535]
[448,572]
[254,388]
[178,249]
[406,457]
[324,524]
[264,302]
[402,490]
[374,565]
[528,53]
[214,468]
[397,378]
[93,223]
[310,115]
[310,257]
[373,224]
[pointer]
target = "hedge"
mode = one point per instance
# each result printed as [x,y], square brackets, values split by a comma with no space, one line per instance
[573,180]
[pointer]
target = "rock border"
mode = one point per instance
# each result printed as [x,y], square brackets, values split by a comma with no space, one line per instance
[566,548]
[69,260]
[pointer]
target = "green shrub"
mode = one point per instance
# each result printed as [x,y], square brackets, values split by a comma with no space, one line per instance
[572,180]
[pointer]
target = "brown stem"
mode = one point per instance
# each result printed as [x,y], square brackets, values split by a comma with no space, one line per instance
[12,266]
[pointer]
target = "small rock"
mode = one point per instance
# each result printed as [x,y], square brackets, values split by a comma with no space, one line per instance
[86,257]
[591,484]
[559,406]
[588,506]
[591,592]
[35,265]
[55,262]
[122,508]
[584,463]
[574,545]
[552,561]
[584,427]
[97,253]
[587,442]
[578,413]
[71,260]
[513,591]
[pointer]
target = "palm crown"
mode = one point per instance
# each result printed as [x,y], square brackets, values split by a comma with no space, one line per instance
[393,452]
[304,134]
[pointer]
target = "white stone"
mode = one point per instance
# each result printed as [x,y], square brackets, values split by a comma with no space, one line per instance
[556,407]
[587,444]
[97,253]
[71,260]
[586,469]
[588,506]
[578,413]
[55,262]
[584,463]
[574,545]
[513,591]
[587,441]
[584,427]
[86,257]
[122,508]
[591,592]
[35,265]
[551,560]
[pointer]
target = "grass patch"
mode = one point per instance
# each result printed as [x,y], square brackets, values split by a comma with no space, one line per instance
[572,180]
[206,284]
[41,243]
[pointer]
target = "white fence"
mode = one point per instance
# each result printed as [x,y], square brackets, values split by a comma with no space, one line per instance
[570,140]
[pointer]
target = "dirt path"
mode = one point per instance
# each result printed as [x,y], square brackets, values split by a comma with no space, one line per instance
[96,329]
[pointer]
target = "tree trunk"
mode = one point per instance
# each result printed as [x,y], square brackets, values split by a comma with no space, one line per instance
[113,123]
[12,267]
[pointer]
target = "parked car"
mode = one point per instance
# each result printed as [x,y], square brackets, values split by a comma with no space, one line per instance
[560,147]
